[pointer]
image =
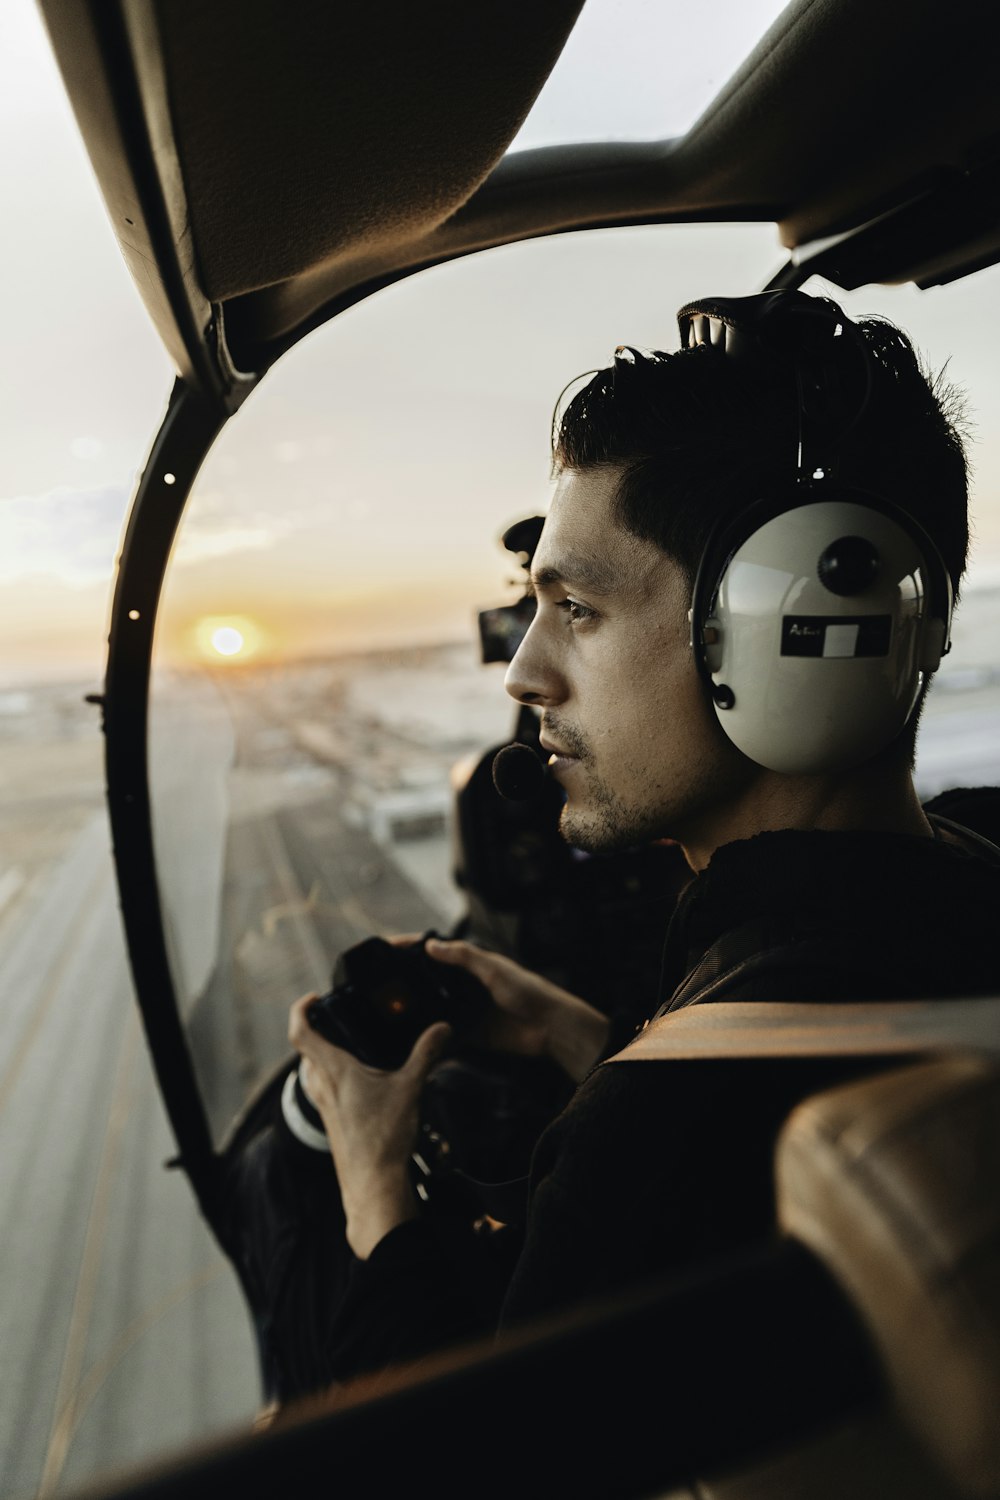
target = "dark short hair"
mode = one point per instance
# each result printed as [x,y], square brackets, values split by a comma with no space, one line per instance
[696,432]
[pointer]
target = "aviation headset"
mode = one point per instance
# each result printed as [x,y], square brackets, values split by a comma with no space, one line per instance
[819,609]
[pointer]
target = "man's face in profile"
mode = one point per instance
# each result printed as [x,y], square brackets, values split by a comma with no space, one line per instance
[633,740]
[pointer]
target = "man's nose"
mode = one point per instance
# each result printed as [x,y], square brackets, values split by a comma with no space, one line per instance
[532,677]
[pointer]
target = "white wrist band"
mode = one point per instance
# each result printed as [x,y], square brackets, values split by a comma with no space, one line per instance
[296,1121]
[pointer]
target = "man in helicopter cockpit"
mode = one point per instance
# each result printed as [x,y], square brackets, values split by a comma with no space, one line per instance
[743,586]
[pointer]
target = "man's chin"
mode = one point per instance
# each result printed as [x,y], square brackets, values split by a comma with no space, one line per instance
[604,831]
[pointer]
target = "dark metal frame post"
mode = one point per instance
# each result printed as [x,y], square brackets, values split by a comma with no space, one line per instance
[190,427]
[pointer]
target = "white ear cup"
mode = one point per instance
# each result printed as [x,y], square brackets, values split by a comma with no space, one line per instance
[821,676]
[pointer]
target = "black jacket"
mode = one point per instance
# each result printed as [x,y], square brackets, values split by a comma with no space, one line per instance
[656,1167]
[653,1167]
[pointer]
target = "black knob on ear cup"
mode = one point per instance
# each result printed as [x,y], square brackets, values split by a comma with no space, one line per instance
[723,695]
[848,566]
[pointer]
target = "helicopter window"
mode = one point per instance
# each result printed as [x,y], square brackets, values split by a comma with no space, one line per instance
[608,82]
[318,670]
[318,676]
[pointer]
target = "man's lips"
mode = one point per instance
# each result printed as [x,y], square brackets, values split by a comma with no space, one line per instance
[555,752]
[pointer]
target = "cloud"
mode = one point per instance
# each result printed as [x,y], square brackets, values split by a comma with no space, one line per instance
[71,535]
[199,543]
[217,525]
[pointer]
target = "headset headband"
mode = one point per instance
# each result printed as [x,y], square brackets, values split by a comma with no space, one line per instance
[807,337]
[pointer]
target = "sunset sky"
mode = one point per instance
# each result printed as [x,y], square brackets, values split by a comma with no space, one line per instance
[358,497]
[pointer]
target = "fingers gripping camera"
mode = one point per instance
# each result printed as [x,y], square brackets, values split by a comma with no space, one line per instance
[482,1110]
[383,997]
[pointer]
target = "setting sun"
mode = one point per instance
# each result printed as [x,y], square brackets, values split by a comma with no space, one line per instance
[229,636]
[227,640]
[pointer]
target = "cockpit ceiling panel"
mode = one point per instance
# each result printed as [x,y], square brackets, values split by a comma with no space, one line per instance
[307,151]
[317,131]
[304,146]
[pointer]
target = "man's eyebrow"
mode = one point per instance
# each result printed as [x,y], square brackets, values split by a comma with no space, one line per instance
[577,572]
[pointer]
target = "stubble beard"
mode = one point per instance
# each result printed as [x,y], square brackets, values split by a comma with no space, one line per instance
[607,825]
[598,821]
[604,824]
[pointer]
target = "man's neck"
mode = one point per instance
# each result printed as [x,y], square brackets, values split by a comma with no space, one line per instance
[875,799]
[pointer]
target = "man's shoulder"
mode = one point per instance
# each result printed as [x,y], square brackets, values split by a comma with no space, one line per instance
[972,816]
[800,916]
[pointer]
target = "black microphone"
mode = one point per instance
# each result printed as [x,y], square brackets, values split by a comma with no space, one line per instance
[518,774]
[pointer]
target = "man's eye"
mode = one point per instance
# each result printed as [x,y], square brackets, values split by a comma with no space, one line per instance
[575,610]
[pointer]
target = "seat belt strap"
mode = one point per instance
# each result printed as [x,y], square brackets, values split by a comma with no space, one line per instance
[753,1028]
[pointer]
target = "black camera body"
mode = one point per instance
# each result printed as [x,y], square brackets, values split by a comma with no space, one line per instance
[385,995]
[481,1110]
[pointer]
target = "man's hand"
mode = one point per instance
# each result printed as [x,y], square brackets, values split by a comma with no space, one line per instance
[533,1016]
[372,1120]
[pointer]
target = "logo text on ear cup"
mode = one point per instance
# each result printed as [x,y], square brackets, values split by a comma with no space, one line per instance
[834,636]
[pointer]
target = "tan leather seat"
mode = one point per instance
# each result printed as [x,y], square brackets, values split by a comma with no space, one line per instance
[893,1183]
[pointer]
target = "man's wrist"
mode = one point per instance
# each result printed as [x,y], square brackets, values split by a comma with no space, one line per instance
[375,1207]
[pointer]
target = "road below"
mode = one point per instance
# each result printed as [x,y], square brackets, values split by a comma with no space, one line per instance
[123,1334]
[122,1329]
